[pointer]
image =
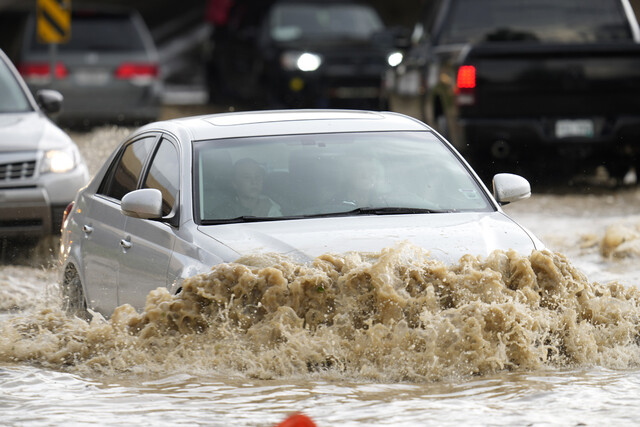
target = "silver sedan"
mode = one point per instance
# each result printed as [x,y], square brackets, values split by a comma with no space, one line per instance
[179,196]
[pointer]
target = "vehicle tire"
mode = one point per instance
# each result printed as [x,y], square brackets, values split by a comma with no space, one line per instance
[73,301]
[618,171]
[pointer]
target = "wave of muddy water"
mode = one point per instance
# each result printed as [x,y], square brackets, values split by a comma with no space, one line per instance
[393,338]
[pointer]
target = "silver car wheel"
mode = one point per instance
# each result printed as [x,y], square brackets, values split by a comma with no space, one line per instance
[73,301]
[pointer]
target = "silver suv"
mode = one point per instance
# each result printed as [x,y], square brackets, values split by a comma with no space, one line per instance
[41,169]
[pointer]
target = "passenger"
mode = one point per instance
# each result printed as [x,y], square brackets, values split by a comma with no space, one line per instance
[247,199]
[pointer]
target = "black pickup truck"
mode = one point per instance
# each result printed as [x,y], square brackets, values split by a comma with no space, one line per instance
[539,87]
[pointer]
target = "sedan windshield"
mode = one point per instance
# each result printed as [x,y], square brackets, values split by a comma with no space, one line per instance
[372,173]
[12,98]
[323,22]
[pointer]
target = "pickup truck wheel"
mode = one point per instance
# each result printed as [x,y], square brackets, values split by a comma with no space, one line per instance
[73,301]
[618,171]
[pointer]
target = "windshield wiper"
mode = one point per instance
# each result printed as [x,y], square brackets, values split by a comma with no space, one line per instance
[389,210]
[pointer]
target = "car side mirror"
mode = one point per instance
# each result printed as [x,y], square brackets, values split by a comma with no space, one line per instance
[509,188]
[49,100]
[145,203]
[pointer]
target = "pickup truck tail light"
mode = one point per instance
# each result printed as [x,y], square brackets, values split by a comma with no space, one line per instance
[466,85]
[41,71]
[137,73]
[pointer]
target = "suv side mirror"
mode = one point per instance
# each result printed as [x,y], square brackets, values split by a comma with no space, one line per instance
[49,100]
[145,203]
[509,188]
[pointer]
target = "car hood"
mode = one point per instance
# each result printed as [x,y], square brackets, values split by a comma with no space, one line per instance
[29,132]
[446,236]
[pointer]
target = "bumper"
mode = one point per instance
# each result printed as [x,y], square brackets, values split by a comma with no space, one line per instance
[25,212]
[517,139]
[309,90]
[35,211]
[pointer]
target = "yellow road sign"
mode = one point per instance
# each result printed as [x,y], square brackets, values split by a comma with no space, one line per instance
[53,21]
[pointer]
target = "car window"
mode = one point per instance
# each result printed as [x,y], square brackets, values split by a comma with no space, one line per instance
[330,173]
[12,98]
[567,21]
[164,174]
[127,168]
[96,31]
[321,21]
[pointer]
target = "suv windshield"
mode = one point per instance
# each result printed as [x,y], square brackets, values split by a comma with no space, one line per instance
[331,174]
[12,98]
[566,21]
[95,31]
[290,22]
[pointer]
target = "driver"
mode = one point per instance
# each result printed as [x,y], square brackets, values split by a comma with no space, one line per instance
[247,199]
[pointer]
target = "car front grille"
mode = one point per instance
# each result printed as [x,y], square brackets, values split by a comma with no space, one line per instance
[16,171]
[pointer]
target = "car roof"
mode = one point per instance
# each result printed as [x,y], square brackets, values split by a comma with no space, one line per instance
[285,122]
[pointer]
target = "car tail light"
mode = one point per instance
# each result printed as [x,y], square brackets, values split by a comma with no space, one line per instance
[31,71]
[66,213]
[466,85]
[142,73]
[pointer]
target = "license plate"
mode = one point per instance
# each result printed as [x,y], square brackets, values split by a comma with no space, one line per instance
[92,77]
[574,128]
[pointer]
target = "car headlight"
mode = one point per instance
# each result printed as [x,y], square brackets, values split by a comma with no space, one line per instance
[300,61]
[394,59]
[59,161]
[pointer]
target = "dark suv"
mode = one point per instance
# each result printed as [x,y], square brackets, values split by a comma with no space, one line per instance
[301,53]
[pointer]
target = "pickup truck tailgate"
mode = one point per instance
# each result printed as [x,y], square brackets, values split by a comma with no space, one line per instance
[516,80]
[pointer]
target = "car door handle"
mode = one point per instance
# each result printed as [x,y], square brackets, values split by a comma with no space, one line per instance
[87,229]
[126,244]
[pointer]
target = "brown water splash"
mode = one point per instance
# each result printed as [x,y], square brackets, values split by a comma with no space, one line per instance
[621,241]
[394,316]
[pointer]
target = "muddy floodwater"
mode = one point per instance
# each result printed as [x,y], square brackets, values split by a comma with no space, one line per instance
[390,338]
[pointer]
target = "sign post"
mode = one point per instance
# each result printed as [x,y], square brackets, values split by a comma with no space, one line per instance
[53,21]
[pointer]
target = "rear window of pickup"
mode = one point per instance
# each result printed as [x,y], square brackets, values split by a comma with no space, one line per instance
[546,21]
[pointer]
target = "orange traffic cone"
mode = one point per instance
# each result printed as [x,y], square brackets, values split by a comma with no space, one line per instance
[297,420]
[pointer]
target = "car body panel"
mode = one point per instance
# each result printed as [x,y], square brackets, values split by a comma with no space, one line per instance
[99,238]
[448,236]
[305,121]
[143,266]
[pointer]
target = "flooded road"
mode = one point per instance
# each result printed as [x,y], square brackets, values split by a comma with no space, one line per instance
[540,340]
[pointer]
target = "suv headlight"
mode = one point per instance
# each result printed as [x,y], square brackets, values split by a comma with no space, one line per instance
[300,61]
[60,160]
[394,58]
